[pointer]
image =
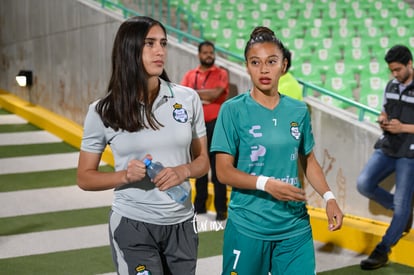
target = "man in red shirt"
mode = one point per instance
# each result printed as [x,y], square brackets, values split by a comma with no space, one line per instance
[212,85]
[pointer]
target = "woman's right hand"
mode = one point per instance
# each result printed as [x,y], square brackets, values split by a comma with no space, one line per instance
[284,191]
[135,171]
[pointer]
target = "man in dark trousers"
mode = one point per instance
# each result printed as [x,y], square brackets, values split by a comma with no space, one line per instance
[394,153]
[212,85]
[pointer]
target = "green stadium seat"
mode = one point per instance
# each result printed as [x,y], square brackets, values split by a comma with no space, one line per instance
[377,68]
[341,86]
[402,5]
[329,100]
[372,100]
[373,85]
[374,81]
[344,70]
[393,22]
[369,32]
[204,14]
[240,6]
[228,14]
[384,13]
[327,57]
[299,44]
[318,33]
[409,13]
[327,43]
[344,33]
[310,72]
[212,28]
[410,41]
[358,42]
[357,56]
[402,31]
[356,14]
[371,94]
[237,46]
[384,42]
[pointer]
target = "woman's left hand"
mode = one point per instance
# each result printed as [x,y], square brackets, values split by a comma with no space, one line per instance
[335,216]
[171,176]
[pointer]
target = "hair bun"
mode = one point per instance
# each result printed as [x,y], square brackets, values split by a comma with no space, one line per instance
[261,31]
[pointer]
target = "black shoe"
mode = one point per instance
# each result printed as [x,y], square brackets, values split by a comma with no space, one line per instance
[221,216]
[374,261]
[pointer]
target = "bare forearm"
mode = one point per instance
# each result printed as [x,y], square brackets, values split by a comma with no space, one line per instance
[233,177]
[90,178]
[200,164]
[98,181]
[210,94]
[315,175]
[198,167]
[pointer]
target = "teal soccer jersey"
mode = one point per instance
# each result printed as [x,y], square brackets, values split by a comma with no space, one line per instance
[265,142]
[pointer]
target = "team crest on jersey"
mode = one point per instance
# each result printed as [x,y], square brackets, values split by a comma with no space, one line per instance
[294,130]
[179,113]
[142,270]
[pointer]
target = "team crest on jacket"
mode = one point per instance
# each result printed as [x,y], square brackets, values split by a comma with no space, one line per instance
[179,113]
[142,270]
[294,130]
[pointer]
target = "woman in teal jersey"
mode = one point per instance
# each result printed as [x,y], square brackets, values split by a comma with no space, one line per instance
[258,139]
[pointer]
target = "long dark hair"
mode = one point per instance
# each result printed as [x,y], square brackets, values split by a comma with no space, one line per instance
[127,98]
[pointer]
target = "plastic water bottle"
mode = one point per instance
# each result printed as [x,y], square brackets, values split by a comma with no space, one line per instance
[177,193]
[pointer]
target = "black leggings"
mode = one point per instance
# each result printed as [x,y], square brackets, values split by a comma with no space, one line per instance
[220,190]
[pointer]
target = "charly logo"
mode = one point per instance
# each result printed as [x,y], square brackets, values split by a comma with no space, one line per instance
[202,226]
[294,130]
[179,113]
[142,270]
[254,131]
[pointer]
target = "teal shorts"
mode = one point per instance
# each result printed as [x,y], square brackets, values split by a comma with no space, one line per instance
[243,255]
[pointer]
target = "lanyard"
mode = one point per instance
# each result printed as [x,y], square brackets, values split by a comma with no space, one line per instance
[204,82]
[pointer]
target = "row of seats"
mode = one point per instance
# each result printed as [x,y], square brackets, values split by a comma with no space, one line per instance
[308,10]
[339,45]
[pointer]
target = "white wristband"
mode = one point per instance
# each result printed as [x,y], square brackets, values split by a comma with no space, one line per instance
[261,182]
[328,196]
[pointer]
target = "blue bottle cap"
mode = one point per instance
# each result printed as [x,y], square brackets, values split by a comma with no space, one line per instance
[147,162]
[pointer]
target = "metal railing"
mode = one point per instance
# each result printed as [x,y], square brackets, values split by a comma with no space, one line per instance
[361,108]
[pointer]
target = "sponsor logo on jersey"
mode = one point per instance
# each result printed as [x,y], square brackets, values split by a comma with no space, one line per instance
[254,131]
